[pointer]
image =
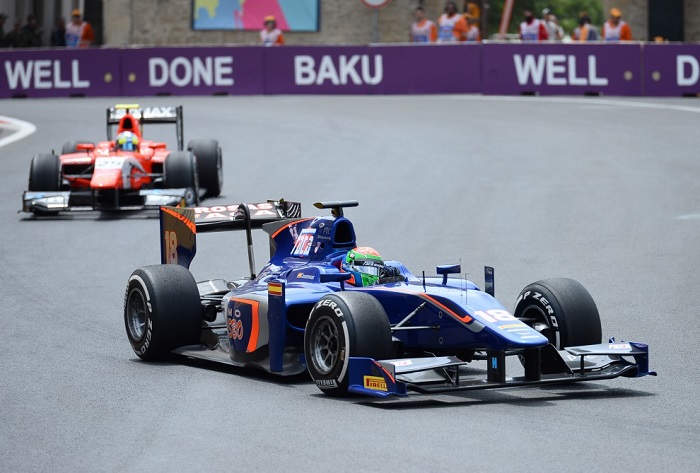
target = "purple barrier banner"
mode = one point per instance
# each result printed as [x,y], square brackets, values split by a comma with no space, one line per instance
[193,71]
[562,69]
[400,69]
[59,73]
[671,69]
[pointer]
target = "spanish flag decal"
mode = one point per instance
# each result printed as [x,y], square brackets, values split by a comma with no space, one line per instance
[274,289]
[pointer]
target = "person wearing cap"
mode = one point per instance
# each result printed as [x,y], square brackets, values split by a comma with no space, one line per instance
[451,25]
[532,29]
[270,35]
[79,33]
[615,29]
[554,31]
[422,30]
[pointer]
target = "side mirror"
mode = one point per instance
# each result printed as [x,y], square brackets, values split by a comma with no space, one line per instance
[446,269]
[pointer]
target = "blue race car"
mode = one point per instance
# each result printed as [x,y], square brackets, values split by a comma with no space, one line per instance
[356,323]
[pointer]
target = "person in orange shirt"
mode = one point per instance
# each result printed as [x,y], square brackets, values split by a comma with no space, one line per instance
[79,33]
[422,30]
[451,25]
[271,35]
[615,29]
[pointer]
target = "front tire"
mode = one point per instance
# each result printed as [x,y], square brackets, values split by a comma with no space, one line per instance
[180,172]
[161,310]
[562,310]
[209,165]
[342,325]
[45,173]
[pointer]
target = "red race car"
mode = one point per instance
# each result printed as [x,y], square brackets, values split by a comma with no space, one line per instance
[126,172]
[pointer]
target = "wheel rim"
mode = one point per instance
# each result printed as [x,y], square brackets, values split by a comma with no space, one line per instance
[136,315]
[537,319]
[325,345]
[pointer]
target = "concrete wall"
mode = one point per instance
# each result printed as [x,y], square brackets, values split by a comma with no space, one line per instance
[163,22]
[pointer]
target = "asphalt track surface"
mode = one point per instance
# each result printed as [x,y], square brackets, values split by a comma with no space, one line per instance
[606,191]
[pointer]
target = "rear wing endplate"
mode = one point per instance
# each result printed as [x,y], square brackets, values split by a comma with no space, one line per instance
[179,226]
[152,115]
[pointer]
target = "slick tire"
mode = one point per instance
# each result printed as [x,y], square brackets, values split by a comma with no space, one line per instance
[161,310]
[70,147]
[180,172]
[342,325]
[562,310]
[209,165]
[45,173]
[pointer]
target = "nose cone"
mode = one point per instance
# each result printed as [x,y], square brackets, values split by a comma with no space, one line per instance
[108,173]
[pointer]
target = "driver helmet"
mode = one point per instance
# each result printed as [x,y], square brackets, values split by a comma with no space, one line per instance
[365,264]
[127,141]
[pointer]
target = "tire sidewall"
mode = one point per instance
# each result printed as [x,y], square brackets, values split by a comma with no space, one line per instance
[333,309]
[145,347]
[537,297]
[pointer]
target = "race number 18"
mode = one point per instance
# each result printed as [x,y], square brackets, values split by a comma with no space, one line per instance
[170,247]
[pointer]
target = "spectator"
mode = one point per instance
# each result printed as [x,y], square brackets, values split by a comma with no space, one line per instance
[473,34]
[451,26]
[58,35]
[554,31]
[270,35]
[32,32]
[532,29]
[615,29]
[3,38]
[17,38]
[422,30]
[585,31]
[79,33]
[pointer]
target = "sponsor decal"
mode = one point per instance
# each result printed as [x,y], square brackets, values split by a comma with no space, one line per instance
[305,276]
[375,383]
[274,289]
[502,327]
[687,70]
[402,363]
[303,244]
[326,383]
[43,74]
[231,211]
[619,346]
[358,69]
[555,70]
[185,72]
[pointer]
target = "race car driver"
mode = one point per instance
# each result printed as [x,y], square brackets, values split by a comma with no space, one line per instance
[368,268]
[127,141]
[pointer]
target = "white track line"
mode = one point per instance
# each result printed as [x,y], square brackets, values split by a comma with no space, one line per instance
[21,129]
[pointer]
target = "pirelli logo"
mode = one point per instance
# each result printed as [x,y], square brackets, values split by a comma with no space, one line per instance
[274,289]
[375,383]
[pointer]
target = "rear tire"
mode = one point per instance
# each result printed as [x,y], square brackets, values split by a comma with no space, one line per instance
[161,310]
[180,171]
[70,147]
[209,165]
[342,325]
[562,310]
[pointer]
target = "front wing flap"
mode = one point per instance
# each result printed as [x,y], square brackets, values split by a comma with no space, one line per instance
[50,202]
[543,366]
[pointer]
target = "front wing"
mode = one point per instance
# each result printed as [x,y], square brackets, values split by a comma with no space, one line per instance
[65,201]
[543,366]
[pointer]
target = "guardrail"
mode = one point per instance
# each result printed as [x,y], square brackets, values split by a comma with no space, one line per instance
[631,69]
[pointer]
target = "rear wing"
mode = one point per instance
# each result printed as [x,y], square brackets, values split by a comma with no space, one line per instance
[152,115]
[179,226]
